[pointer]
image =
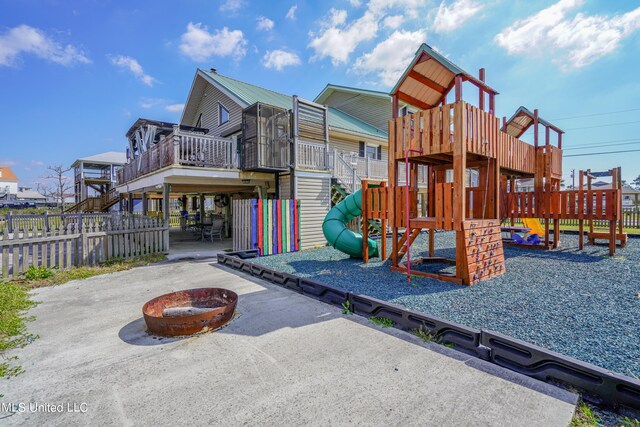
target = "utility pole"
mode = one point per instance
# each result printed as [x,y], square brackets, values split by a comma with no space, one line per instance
[573,179]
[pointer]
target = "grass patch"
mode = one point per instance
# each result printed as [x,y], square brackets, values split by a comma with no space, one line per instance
[49,277]
[584,417]
[14,303]
[382,321]
[424,334]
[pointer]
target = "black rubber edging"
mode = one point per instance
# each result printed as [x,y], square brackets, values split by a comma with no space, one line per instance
[597,384]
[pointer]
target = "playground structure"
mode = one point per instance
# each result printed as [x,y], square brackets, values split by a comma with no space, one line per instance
[459,137]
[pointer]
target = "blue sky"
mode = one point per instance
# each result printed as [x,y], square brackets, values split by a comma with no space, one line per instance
[74,75]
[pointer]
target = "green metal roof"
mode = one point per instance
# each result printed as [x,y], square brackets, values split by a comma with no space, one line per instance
[331,87]
[250,94]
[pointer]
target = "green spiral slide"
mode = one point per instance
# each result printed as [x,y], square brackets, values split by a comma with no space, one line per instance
[335,228]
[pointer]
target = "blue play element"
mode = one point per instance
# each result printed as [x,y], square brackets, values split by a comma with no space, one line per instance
[533,239]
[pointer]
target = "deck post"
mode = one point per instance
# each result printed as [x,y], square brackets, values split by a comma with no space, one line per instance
[393,179]
[459,188]
[202,207]
[458,88]
[580,208]
[165,214]
[480,90]
[145,202]
[365,222]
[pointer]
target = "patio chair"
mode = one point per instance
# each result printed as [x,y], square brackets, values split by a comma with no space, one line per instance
[216,230]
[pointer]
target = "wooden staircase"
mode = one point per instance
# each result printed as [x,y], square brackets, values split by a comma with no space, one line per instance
[100,203]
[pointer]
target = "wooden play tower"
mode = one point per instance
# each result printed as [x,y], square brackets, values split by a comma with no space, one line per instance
[473,162]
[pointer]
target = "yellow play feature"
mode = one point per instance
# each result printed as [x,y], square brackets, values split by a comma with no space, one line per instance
[534,225]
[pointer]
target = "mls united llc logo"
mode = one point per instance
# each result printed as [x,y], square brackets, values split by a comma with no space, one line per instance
[23,407]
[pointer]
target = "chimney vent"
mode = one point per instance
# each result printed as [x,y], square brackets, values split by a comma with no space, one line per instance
[213,70]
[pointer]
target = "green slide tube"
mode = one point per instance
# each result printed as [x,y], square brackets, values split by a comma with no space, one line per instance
[335,228]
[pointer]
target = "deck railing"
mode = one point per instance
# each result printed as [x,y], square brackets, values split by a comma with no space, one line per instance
[185,149]
[566,204]
[311,155]
[433,131]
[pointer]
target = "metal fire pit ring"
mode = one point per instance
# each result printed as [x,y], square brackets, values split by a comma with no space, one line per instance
[222,302]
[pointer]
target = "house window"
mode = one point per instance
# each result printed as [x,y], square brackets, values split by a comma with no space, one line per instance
[223,115]
[371,151]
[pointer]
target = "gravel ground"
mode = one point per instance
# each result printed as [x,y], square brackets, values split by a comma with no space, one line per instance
[581,304]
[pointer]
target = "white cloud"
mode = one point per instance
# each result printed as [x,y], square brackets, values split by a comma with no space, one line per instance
[231,5]
[575,41]
[174,108]
[449,18]
[337,37]
[355,3]
[393,22]
[279,59]
[200,45]
[148,103]
[391,56]
[337,40]
[132,65]
[26,39]
[291,13]
[264,24]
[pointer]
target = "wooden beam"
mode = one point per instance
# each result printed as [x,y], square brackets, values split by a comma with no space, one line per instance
[427,81]
[481,92]
[458,86]
[413,101]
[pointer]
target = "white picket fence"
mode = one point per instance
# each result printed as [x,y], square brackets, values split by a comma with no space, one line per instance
[74,245]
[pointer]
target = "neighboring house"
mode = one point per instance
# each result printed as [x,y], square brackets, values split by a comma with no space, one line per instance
[95,176]
[8,183]
[28,195]
[630,196]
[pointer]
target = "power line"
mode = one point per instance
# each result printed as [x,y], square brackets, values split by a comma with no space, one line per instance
[586,147]
[597,114]
[603,152]
[605,125]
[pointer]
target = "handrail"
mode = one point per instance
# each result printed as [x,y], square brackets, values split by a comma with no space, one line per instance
[345,173]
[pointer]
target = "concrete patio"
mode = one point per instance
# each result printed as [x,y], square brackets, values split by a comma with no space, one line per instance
[284,360]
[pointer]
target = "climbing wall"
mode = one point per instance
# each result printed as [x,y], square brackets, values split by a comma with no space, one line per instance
[483,247]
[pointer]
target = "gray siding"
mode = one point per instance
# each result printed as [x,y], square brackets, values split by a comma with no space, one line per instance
[314,194]
[208,106]
[353,147]
[370,109]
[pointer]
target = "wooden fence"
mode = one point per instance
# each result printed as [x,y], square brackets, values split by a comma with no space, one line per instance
[271,226]
[76,244]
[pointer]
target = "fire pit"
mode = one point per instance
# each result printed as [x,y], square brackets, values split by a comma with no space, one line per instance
[189,312]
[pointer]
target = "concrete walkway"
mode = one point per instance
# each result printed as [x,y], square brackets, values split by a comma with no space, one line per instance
[284,360]
[184,245]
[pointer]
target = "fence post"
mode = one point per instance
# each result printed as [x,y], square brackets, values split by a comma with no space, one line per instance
[46,220]
[9,222]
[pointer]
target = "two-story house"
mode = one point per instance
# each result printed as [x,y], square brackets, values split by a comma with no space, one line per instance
[227,145]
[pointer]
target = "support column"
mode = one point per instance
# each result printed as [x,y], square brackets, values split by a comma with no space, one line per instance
[201,207]
[145,203]
[165,214]
[129,202]
[459,188]
[393,180]
[580,214]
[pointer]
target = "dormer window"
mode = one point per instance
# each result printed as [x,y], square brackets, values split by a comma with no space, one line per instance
[223,115]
